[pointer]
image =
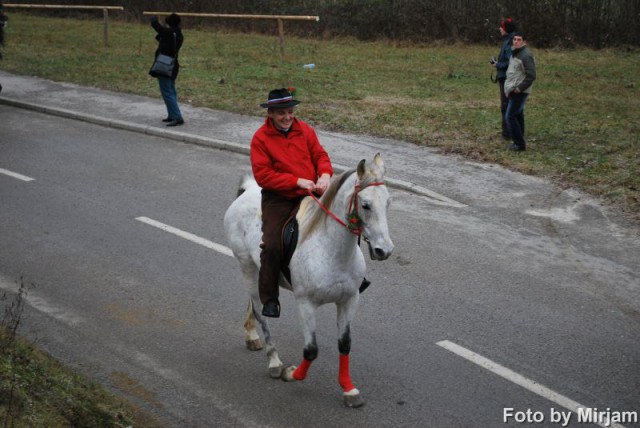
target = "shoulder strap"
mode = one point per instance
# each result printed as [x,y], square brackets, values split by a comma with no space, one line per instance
[175,44]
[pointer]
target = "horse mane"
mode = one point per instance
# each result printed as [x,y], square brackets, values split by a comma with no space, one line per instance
[315,214]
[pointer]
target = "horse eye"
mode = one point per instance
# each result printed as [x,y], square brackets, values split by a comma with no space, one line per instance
[365,205]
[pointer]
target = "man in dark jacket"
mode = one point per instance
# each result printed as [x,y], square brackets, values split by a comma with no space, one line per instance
[507,30]
[517,87]
[170,40]
[3,22]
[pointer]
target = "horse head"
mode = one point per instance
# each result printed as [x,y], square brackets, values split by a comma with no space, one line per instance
[372,198]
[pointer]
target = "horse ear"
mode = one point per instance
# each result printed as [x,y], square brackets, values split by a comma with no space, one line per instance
[361,169]
[379,163]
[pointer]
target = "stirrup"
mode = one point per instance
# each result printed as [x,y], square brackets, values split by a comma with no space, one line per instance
[364,285]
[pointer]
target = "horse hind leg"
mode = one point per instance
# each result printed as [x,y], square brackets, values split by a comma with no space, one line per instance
[275,364]
[252,339]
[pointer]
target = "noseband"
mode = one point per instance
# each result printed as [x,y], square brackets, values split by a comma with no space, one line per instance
[354,222]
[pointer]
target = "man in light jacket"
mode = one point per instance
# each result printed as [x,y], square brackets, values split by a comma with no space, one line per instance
[517,87]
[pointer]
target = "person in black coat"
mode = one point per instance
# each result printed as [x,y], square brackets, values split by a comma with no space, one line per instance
[3,21]
[170,41]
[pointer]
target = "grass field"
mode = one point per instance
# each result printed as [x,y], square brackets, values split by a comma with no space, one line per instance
[582,118]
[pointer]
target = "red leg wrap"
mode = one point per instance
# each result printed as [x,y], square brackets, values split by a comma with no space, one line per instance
[301,372]
[344,377]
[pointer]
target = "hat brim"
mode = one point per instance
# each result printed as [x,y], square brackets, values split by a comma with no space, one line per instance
[288,104]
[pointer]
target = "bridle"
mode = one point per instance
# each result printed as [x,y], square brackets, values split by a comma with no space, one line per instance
[354,222]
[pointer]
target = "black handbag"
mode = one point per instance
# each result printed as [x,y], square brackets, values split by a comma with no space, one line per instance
[164,65]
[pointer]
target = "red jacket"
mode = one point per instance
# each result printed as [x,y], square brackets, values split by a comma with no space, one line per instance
[278,160]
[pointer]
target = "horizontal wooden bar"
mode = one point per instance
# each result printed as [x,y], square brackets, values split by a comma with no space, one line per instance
[222,15]
[60,6]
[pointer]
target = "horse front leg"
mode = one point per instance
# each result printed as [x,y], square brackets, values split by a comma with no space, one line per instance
[310,351]
[346,313]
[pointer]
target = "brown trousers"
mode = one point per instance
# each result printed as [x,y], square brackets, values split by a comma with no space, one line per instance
[276,210]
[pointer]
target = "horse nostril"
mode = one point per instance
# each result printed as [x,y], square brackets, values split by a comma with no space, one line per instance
[380,253]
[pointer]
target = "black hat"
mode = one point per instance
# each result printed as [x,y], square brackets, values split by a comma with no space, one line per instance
[280,98]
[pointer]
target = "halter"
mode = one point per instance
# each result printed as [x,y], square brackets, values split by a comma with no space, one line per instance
[354,224]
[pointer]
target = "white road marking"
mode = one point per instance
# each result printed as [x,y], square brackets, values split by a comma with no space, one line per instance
[15,175]
[189,236]
[518,379]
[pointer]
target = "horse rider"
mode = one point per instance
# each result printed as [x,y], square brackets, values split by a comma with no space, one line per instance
[287,162]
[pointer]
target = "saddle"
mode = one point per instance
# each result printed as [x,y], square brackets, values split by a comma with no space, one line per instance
[289,238]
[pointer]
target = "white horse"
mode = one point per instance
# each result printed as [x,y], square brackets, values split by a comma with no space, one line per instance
[327,265]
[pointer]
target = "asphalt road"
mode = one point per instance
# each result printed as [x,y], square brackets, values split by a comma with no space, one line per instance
[483,307]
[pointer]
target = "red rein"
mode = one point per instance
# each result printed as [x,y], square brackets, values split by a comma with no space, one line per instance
[355,222]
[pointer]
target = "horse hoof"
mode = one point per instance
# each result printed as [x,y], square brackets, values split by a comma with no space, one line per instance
[254,345]
[353,400]
[287,374]
[276,372]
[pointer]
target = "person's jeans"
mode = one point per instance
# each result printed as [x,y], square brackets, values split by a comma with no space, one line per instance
[515,117]
[504,102]
[170,97]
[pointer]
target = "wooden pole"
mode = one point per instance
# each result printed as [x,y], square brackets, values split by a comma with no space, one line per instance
[222,15]
[59,6]
[105,12]
[279,18]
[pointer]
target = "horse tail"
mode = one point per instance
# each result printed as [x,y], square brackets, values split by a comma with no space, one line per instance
[246,181]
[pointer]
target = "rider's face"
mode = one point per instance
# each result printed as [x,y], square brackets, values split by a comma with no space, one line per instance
[282,117]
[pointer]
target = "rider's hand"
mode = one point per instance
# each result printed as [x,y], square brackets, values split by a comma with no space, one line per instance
[322,184]
[303,183]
